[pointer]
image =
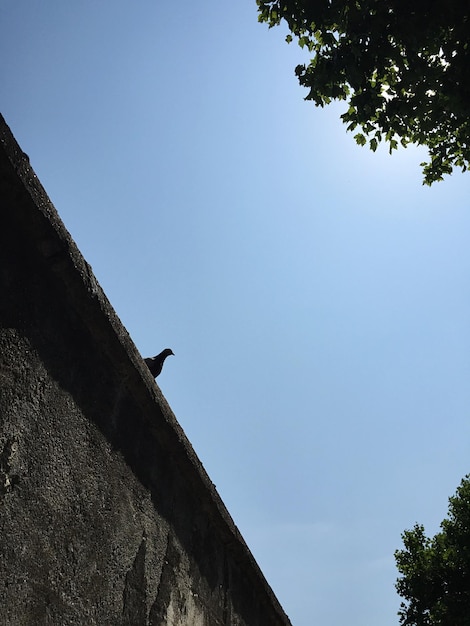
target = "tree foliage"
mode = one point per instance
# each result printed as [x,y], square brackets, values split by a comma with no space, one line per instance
[435,582]
[402,67]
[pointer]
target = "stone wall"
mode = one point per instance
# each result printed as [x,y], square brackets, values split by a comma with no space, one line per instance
[107,516]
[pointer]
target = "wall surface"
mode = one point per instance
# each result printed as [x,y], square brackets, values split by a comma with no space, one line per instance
[107,517]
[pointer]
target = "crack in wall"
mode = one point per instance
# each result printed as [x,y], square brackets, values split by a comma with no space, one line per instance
[134,611]
[8,480]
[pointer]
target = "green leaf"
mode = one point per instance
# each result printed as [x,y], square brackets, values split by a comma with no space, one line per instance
[360,139]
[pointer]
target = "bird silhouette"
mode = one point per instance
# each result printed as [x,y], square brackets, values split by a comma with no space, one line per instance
[155,363]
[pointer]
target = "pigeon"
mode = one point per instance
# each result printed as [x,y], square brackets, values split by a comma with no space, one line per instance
[155,364]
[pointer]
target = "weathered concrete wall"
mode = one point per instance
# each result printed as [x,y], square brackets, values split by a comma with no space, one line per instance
[106,515]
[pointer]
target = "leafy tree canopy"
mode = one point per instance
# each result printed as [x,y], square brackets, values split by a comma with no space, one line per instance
[402,66]
[435,582]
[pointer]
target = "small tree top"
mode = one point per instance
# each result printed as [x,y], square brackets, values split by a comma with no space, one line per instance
[435,581]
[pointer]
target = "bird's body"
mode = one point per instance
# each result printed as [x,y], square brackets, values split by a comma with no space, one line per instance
[155,363]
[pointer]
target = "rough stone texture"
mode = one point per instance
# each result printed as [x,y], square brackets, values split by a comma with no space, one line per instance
[107,517]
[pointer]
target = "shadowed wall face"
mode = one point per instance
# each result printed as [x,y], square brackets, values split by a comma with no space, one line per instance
[81,539]
[104,519]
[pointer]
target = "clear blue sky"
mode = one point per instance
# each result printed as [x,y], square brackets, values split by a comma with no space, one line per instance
[315,294]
